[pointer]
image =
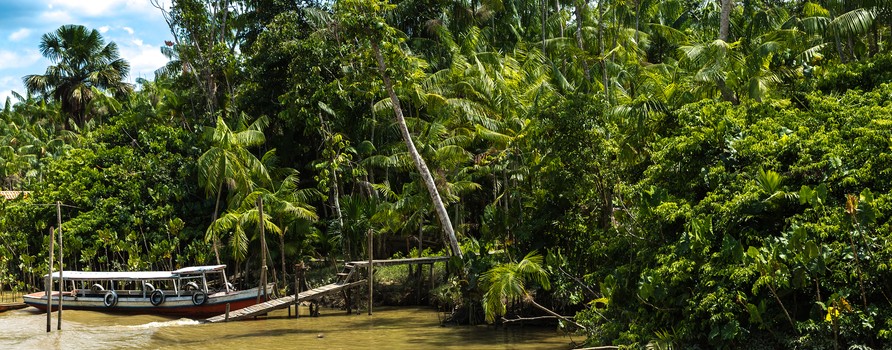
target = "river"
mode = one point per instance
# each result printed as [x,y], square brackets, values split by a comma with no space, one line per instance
[387,328]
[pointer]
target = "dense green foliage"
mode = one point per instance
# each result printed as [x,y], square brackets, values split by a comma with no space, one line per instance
[629,168]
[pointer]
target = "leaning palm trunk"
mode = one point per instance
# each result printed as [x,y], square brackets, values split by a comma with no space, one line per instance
[416,157]
[530,300]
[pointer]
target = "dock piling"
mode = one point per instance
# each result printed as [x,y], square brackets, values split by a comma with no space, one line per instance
[49,284]
[61,267]
[371,271]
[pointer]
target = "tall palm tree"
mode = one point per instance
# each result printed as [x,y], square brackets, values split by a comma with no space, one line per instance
[82,60]
[229,162]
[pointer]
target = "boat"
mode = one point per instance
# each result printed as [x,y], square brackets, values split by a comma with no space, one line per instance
[193,292]
[12,306]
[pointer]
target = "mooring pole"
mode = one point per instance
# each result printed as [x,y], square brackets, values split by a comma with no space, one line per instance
[296,292]
[49,284]
[61,266]
[371,271]
[299,281]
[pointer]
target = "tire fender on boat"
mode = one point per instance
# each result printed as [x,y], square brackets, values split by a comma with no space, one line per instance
[157,297]
[110,299]
[199,298]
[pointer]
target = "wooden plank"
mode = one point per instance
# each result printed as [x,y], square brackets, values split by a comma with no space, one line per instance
[407,261]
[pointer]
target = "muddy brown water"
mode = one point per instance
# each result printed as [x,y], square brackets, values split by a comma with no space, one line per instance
[387,328]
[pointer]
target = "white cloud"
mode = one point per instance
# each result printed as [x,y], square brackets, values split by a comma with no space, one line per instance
[7,83]
[20,59]
[4,94]
[57,16]
[104,29]
[19,34]
[144,59]
[103,8]
[129,30]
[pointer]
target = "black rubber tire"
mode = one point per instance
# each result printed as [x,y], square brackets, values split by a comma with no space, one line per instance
[110,299]
[157,297]
[199,298]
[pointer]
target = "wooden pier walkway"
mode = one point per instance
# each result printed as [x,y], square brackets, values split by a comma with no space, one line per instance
[343,282]
[281,303]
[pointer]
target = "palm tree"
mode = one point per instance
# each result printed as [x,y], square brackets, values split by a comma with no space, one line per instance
[229,162]
[238,221]
[82,60]
[364,20]
[507,282]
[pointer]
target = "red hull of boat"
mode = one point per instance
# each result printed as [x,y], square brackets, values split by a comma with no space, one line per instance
[186,311]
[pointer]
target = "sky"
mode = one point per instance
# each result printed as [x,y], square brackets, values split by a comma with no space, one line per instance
[136,26]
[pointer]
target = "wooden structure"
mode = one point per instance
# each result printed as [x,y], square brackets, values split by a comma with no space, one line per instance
[281,303]
[408,261]
[343,283]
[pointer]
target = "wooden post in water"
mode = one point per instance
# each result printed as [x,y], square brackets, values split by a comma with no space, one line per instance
[61,266]
[371,271]
[49,284]
[227,313]
[431,271]
[296,292]
[299,282]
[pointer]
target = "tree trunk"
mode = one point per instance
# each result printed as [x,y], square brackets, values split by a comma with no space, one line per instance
[725,21]
[337,205]
[724,34]
[552,313]
[544,16]
[416,157]
[836,40]
[263,251]
[874,39]
[601,50]
[580,7]
[214,219]
[637,18]
[282,255]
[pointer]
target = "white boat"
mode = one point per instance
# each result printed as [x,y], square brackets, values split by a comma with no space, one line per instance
[195,292]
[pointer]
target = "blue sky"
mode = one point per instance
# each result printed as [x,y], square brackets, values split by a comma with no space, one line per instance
[135,25]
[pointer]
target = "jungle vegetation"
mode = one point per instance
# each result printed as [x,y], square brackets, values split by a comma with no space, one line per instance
[697,174]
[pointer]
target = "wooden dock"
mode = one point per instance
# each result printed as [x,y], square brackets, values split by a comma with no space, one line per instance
[281,303]
[343,282]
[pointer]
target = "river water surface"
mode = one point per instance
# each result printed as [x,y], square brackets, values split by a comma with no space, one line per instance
[387,328]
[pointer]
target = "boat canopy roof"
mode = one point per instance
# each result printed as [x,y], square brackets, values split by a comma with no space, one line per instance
[117,276]
[136,275]
[195,270]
